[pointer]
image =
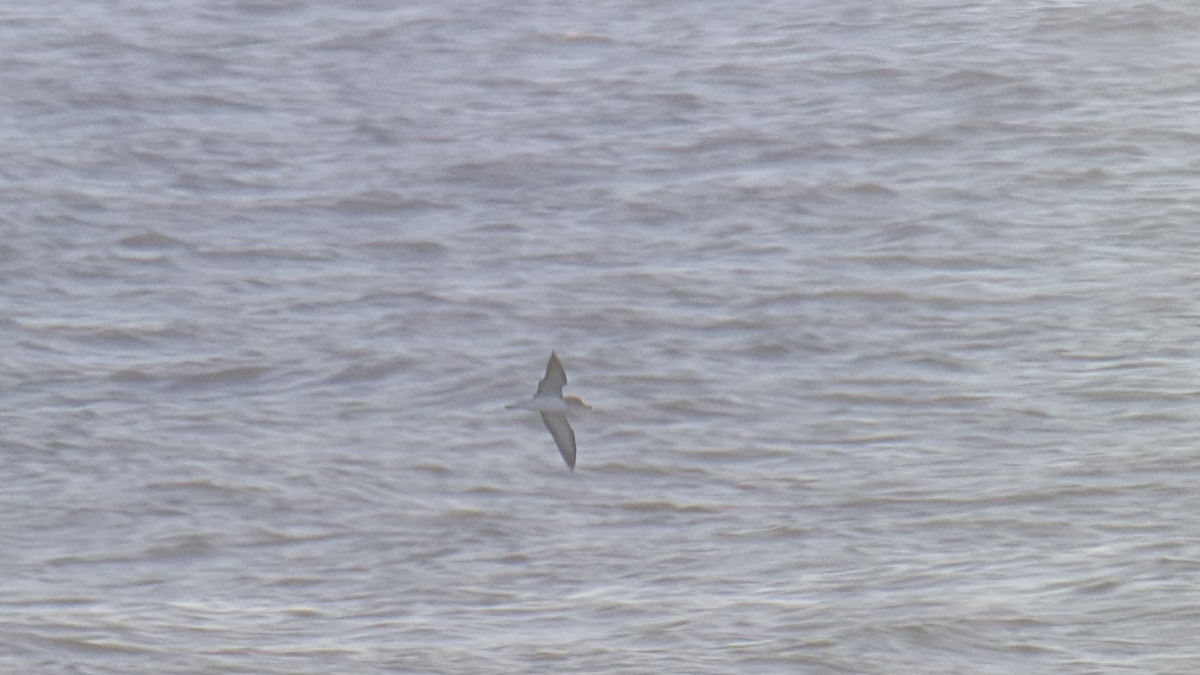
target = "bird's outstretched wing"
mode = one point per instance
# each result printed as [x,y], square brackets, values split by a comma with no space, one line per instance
[564,437]
[555,379]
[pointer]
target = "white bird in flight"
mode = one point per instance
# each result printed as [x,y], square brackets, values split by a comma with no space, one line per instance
[550,402]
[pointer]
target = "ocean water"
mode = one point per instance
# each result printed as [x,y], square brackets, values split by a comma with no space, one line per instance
[888,313]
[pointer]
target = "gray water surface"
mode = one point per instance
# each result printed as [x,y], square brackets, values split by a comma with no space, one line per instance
[889,313]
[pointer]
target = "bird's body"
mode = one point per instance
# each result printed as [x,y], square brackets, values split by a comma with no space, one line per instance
[553,406]
[543,403]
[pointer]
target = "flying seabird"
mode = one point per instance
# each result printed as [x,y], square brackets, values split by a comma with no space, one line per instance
[550,402]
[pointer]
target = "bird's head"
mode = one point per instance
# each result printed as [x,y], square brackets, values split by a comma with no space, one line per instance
[576,402]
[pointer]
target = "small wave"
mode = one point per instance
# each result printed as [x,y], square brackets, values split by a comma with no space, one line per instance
[379,201]
[661,505]
[153,241]
[374,370]
[225,376]
[577,38]
[415,248]
[79,644]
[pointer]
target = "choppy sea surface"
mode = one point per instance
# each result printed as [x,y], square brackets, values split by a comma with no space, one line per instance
[889,314]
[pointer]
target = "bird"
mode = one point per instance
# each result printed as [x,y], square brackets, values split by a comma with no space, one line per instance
[553,406]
